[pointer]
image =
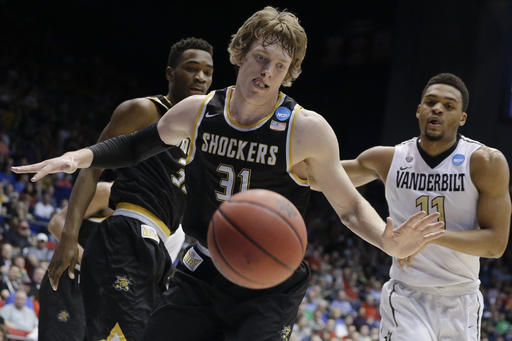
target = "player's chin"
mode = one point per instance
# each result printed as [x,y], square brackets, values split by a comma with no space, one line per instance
[196,92]
[433,135]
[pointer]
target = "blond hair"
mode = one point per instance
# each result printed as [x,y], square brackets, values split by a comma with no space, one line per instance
[272,26]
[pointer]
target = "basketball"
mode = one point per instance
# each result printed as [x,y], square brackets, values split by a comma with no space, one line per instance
[257,238]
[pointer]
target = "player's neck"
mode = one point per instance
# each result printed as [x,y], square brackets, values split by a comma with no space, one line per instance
[246,111]
[171,98]
[434,148]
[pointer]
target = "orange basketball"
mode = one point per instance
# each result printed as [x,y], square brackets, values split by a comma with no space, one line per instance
[257,238]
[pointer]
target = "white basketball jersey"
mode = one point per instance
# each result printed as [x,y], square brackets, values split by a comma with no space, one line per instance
[412,185]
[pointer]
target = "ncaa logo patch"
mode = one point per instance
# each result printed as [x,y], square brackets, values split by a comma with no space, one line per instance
[282,113]
[458,159]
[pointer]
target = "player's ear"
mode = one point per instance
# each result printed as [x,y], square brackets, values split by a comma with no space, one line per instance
[169,73]
[237,60]
[418,111]
[462,119]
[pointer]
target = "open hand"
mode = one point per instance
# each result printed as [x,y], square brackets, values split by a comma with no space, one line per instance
[412,235]
[64,163]
[65,257]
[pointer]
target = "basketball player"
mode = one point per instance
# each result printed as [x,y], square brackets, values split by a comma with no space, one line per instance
[125,264]
[61,313]
[247,136]
[437,297]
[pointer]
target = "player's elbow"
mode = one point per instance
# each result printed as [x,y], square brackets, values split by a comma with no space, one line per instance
[52,226]
[497,249]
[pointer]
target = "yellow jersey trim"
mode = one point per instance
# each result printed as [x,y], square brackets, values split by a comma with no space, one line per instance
[147,213]
[290,143]
[166,106]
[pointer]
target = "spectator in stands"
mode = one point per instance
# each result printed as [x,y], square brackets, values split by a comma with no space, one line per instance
[44,209]
[20,261]
[5,257]
[17,315]
[342,303]
[37,278]
[31,193]
[39,253]
[6,174]
[12,201]
[19,237]
[21,184]
[10,282]
[24,286]
[302,329]
[371,308]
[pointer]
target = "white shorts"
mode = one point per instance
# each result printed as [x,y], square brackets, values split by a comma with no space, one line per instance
[408,314]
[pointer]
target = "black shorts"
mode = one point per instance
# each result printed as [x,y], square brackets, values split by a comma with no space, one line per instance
[203,305]
[61,312]
[123,278]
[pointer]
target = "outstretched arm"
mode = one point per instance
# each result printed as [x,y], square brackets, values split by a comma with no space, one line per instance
[127,117]
[125,150]
[490,174]
[316,144]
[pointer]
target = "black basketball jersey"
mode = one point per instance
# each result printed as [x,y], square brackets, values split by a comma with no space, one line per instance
[226,157]
[157,184]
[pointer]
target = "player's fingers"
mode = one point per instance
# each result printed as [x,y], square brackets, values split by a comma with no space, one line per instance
[434,235]
[39,175]
[71,269]
[432,227]
[415,218]
[28,168]
[71,272]
[54,275]
[427,219]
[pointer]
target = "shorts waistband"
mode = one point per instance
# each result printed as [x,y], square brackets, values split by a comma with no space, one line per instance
[144,215]
[450,290]
[203,249]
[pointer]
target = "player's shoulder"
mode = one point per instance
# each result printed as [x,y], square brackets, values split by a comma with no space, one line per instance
[196,100]
[486,156]
[310,120]
[488,167]
[141,106]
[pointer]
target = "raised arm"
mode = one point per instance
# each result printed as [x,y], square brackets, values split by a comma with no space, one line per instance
[490,174]
[316,145]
